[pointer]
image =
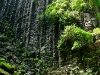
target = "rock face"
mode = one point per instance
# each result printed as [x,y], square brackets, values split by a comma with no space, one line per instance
[29,35]
[22,16]
[89,21]
[34,39]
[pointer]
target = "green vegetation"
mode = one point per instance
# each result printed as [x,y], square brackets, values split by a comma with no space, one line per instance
[59,12]
[78,5]
[67,12]
[79,43]
[96,30]
[75,41]
[5,67]
[76,35]
[94,4]
[40,66]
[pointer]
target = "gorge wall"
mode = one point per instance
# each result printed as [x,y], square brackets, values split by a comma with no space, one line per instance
[22,16]
[29,35]
[33,42]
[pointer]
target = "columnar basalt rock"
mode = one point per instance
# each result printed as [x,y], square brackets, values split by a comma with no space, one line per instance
[29,34]
[89,21]
[22,15]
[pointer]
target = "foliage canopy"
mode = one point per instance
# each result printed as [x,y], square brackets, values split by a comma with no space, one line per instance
[61,11]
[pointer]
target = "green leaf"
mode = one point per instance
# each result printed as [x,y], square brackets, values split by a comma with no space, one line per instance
[76,45]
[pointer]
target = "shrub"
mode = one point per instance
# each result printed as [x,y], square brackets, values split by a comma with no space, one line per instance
[78,5]
[59,12]
[77,36]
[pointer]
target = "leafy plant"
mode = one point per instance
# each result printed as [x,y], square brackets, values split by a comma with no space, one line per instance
[69,18]
[96,30]
[6,67]
[76,44]
[77,36]
[94,4]
[78,5]
[40,66]
[54,11]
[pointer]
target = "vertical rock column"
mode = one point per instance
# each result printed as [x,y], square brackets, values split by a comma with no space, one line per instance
[18,14]
[38,33]
[22,15]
